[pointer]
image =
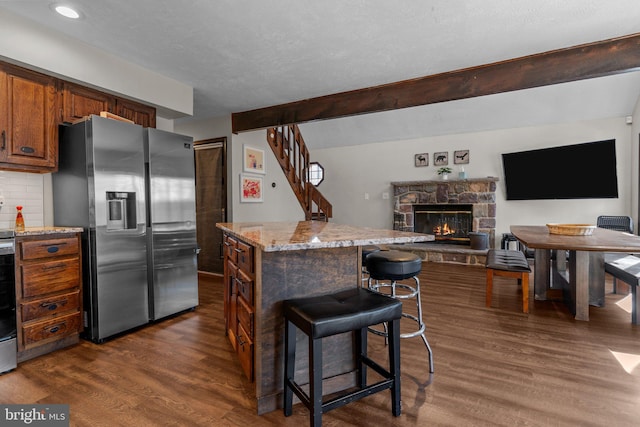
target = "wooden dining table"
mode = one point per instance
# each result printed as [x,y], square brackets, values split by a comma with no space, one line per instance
[581,277]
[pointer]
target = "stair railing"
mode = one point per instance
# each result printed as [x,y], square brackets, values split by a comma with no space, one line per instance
[292,154]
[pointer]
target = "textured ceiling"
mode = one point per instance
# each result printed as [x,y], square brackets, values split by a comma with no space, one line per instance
[245,54]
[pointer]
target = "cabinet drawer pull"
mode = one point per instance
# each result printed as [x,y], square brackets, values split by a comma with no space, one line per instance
[4,140]
[53,247]
[238,250]
[56,328]
[27,150]
[241,343]
[53,267]
[52,305]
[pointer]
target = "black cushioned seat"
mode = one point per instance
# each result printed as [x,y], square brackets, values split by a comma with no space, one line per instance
[366,250]
[506,263]
[393,265]
[325,315]
[344,311]
[506,260]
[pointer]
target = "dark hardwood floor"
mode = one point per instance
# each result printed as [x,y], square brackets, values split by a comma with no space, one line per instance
[493,367]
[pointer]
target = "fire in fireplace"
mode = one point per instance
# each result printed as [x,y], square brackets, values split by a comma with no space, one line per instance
[449,223]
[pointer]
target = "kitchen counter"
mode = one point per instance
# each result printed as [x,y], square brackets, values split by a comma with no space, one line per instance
[289,236]
[36,231]
[266,263]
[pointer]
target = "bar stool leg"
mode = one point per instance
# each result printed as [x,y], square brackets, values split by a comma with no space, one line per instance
[361,352]
[289,365]
[315,381]
[394,365]
[422,326]
[418,319]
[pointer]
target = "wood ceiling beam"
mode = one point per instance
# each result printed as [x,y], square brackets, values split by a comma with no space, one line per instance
[581,62]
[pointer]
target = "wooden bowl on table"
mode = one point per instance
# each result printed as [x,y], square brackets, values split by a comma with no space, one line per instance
[571,229]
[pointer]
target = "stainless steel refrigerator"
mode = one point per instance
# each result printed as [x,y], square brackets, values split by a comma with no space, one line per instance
[171,232]
[101,185]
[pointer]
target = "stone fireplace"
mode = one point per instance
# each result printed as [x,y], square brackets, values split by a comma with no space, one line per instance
[444,199]
[449,223]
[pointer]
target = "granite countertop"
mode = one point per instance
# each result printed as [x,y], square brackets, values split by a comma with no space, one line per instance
[34,231]
[290,236]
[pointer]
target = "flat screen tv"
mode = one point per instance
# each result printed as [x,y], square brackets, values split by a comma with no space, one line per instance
[579,171]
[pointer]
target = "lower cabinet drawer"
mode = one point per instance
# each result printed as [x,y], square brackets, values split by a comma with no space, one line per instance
[245,316]
[51,328]
[245,352]
[245,286]
[49,248]
[50,306]
[52,276]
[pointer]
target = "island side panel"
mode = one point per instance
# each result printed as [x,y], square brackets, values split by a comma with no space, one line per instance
[294,274]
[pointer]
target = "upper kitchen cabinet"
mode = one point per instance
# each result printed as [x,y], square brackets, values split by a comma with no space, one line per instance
[28,120]
[79,102]
[140,114]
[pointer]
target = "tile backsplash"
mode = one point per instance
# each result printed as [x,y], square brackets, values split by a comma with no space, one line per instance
[25,189]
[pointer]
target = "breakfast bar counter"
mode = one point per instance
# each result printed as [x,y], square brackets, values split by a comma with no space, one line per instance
[268,262]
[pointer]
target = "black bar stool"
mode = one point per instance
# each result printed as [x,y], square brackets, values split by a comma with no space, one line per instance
[366,250]
[326,315]
[386,268]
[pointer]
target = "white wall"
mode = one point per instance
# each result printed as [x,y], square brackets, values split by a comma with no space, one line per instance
[353,171]
[280,204]
[371,168]
[635,174]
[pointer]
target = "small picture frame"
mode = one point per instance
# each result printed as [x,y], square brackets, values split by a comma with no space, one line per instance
[253,160]
[441,158]
[421,159]
[461,157]
[250,189]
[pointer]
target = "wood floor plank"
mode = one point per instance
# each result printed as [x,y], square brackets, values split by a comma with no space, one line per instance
[493,367]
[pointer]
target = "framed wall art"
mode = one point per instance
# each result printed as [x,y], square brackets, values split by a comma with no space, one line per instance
[250,188]
[253,160]
[441,158]
[461,157]
[421,159]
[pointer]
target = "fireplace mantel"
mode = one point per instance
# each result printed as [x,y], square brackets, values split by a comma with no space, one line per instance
[479,192]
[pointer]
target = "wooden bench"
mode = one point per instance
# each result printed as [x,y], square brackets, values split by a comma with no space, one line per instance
[626,268]
[507,263]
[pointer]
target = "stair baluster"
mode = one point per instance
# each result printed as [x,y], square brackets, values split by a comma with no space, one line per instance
[287,144]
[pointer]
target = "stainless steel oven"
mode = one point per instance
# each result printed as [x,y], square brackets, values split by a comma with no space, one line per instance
[8,347]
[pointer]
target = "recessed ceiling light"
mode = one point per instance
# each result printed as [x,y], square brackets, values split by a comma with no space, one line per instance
[67,11]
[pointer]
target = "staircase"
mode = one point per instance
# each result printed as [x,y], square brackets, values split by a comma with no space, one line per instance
[287,144]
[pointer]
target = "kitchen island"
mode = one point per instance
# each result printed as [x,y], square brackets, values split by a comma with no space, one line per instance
[266,263]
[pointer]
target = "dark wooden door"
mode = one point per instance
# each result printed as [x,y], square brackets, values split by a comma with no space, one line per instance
[211,200]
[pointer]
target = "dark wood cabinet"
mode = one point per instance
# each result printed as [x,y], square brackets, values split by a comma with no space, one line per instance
[138,113]
[239,301]
[28,120]
[32,105]
[79,102]
[48,293]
